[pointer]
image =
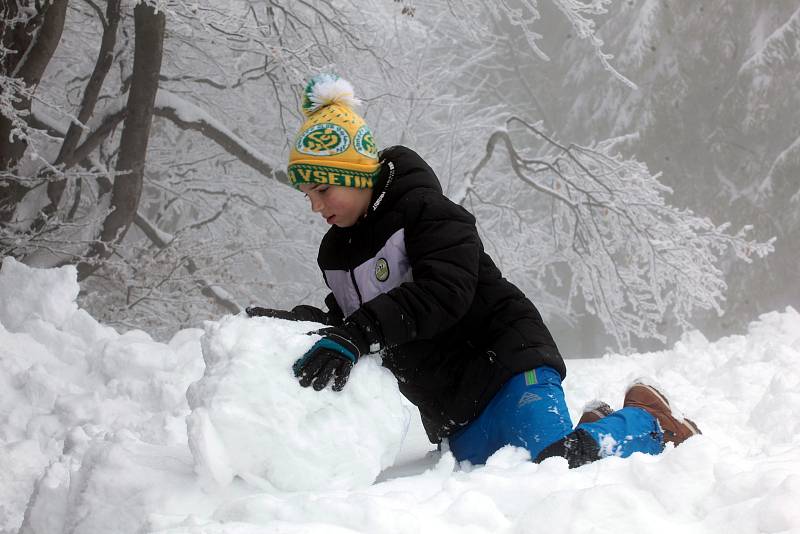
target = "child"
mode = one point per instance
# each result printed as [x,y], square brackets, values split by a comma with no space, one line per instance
[409,278]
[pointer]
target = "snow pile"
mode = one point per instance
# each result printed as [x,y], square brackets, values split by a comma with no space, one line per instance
[93,424]
[251,418]
[72,391]
[93,436]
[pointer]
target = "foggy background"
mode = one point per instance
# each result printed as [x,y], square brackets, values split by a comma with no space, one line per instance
[200,100]
[716,113]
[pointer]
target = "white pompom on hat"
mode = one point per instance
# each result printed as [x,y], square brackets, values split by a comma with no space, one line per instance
[327,89]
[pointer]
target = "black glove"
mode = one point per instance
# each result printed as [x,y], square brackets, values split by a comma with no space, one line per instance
[298,313]
[333,356]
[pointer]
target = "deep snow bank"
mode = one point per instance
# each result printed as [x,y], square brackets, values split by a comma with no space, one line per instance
[74,395]
[93,437]
[93,424]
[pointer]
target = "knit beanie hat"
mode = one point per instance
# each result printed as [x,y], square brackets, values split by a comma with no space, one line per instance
[334,146]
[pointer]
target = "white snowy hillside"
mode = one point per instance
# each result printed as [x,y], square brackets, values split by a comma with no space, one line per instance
[93,436]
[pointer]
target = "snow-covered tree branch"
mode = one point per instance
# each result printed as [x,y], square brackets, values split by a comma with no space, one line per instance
[633,259]
[526,15]
[190,117]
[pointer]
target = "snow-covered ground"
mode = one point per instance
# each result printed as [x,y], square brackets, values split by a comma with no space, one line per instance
[93,436]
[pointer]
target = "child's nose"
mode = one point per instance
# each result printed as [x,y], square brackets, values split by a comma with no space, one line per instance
[316,204]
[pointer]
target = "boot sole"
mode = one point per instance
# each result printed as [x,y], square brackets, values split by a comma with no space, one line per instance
[692,426]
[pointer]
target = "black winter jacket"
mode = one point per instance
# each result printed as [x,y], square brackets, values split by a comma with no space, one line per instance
[414,270]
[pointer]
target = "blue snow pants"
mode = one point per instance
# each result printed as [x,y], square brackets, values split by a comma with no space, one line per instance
[529,411]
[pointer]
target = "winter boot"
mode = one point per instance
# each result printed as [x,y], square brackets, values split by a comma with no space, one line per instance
[676,429]
[594,411]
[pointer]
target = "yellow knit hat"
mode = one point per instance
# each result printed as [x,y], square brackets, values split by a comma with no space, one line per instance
[334,146]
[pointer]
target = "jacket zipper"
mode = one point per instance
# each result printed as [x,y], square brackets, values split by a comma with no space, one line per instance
[353,275]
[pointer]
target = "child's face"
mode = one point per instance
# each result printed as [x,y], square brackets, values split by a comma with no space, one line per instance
[339,205]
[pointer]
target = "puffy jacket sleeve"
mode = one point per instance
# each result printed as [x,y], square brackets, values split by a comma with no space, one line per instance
[335,314]
[444,250]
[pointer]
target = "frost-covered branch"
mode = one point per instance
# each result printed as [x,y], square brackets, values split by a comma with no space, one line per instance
[162,240]
[576,12]
[634,259]
[190,117]
[525,15]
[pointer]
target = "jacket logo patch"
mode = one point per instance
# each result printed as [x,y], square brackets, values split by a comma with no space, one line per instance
[381,270]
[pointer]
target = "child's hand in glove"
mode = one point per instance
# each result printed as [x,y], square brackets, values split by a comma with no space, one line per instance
[333,356]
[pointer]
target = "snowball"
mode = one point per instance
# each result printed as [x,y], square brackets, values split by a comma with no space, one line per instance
[26,292]
[251,418]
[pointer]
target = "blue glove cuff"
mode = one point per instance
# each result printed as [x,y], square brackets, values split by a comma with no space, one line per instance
[326,343]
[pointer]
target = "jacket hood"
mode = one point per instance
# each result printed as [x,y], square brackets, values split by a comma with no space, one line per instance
[402,170]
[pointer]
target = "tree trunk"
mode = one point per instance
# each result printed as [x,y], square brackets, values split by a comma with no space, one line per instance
[31,44]
[105,58]
[127,189]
